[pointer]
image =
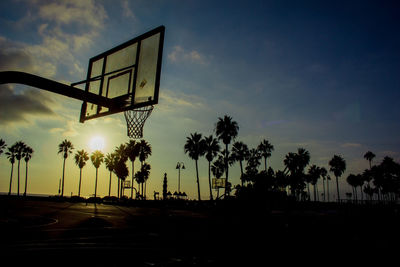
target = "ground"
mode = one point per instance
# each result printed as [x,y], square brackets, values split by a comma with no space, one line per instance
[64,233]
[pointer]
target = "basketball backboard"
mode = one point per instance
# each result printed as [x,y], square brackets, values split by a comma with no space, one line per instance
[128,73]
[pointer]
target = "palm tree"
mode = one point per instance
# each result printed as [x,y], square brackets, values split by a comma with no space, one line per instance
[11,157]
[27,155]
[120,168]
[338,166]
[109,160]
[195,148]
[323,173]
[3,146]
[226,130]
[144,153]
[314,173]
[133,150]
[18,150]
[211,149]
[352,181]
[65,148]
[143,174]
[81,157]
[96,158]
[240,152]
[265,149]
[369,156]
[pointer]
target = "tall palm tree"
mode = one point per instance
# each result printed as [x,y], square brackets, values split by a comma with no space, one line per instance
[19,148]
[143,174]
[369,156]
[11,157]
[65,148]
[133,150]
[352,181]
[211,149]
[226,130]
[96,158]
[109,160]
[27,155]
[265,148]
[3,146]
[323,173]
[120,168]
[195,148]
[314,173]
[144,153]
[338,166]
[240,152]
[81,157]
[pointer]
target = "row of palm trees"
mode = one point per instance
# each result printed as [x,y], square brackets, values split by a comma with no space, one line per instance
[115,162]
[382,180]
[17,151]
[293,176]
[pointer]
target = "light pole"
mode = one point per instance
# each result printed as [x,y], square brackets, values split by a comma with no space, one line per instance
[179,166]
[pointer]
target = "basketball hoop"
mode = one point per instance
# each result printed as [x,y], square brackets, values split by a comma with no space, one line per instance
[135,120]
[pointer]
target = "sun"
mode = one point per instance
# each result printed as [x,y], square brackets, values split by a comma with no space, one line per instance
[96,143]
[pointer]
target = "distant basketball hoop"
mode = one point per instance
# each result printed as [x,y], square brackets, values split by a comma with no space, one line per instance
[217,183]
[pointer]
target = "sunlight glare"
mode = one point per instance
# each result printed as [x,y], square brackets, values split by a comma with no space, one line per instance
[97,143]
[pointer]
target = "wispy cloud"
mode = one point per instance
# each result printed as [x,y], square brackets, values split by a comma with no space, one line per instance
[126,9]
[179,54]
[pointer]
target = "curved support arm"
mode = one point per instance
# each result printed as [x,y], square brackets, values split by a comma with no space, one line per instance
[55,87]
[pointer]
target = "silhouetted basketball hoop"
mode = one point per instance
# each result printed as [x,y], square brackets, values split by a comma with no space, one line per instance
[135,120]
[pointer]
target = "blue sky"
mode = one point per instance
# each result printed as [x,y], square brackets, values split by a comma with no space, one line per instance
[322,75]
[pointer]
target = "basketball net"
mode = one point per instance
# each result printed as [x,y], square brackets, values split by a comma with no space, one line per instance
[135,120]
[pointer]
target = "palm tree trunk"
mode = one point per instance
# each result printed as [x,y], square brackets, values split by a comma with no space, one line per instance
[198,182]
[95,185]
[62,188]
[209,179]
[323,187]
[26,177]
[80,179]
[327,188]
[241,172]
[109,185]
[118,187]
[19,161]
[337,187]
[265,163]
[133,171]
[226,168]
[12,169]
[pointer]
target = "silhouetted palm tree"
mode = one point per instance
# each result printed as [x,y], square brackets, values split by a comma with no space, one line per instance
[65,148]
[265,149]
[27,155]
[120,168]
[338,166]
[96,158]
[3,146]
[81,157]
[133,150]
[143,174]
[352,181]
[144,153]
[226,130]
[195,148]
[369,156]
[211,149]
[19,148]
[11,157]
[109,160]
[324,172]
[240,152]
[314,173]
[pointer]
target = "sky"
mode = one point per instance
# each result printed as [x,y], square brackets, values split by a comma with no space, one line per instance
[322,75]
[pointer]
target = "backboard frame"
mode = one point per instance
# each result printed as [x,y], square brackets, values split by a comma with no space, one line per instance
[122,101]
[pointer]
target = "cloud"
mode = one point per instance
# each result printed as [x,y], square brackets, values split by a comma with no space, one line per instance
[15,108]
[179,54]
[170,100]
[350,145]
[14,57]
[127,11]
